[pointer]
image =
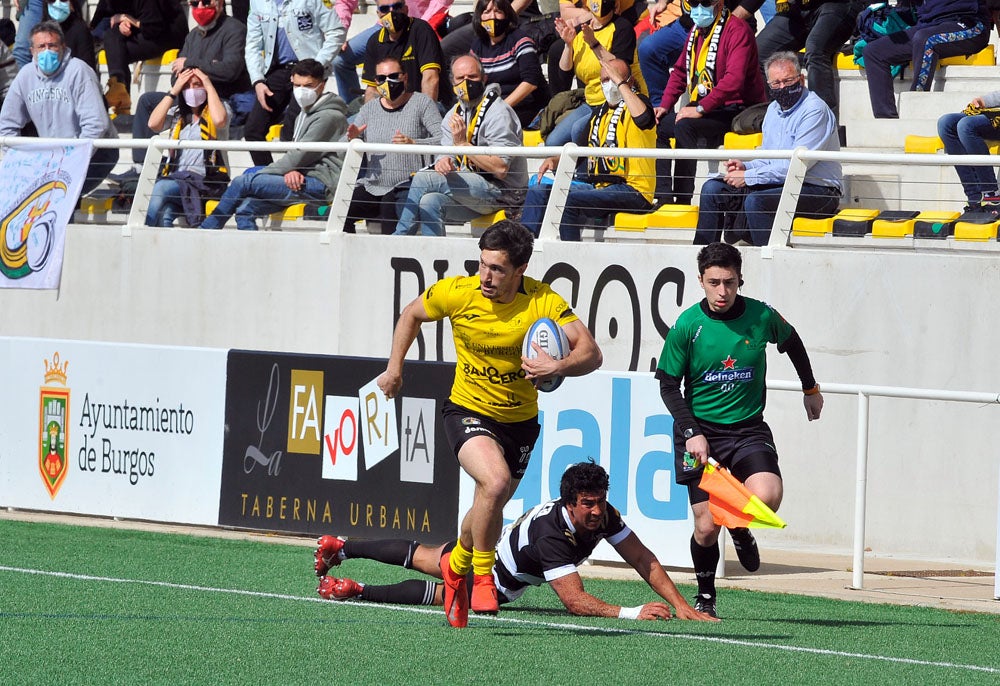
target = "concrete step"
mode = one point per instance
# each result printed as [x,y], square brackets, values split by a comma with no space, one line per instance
[886,133]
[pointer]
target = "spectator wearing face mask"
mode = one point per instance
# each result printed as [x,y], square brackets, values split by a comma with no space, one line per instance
[410,40]
[461,187]
[300,176]
[79,40]
[188,176]
[38,96]
[718,76]
[610,184]
[743,201]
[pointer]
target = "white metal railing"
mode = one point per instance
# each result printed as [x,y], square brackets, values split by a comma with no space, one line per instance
[864,393]
[569,154]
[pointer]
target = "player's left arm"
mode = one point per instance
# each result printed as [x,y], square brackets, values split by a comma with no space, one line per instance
[642,560]
[812,399]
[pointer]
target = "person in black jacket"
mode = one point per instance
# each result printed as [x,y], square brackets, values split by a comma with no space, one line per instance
[78,37]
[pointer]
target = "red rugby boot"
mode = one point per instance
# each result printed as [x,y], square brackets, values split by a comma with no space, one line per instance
[339,589]
[456,594]
[327,553]
[484,595]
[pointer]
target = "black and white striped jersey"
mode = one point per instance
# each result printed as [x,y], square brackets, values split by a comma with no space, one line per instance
[542,545]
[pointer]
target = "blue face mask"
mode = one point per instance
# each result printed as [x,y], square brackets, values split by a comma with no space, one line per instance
[48,61]
[58,11]
[702,16]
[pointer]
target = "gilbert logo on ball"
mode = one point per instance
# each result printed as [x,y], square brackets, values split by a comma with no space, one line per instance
[550,337]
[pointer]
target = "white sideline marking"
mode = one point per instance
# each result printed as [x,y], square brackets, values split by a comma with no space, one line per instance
[510,620]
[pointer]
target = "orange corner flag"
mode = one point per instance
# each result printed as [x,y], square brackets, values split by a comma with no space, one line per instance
[732,504]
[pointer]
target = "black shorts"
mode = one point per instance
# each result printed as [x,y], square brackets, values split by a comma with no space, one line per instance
[517,439]
[744,449]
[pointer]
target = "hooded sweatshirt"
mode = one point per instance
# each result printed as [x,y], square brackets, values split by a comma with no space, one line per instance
[325,121]
[67,104]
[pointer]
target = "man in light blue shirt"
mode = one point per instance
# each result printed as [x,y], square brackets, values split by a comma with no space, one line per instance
[744,200]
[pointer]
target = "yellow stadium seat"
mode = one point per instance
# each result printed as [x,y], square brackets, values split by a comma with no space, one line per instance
[164,60]
[984,58]
[846,62]
[102,58]
[95,208]
[923,144]
[665,217]
[748,141]
[487,220]
[802,226]
[892,228]
[532,138]
[970,231]
[273,133]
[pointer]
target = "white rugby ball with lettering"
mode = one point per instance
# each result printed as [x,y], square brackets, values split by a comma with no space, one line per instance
[552,339]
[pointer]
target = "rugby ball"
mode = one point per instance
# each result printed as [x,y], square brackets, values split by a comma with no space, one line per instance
[552,339]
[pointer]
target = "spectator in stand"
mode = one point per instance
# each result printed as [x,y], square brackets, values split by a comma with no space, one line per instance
[719,76]
[944,28]
[8,70]
[61,96]
[611,184]
[966,133]
[410,40]
[462,187]
[749,192]
[398,116]
[821,27]
[79,40]
[139,30]
[354,52]
[300,176]
[606,36]
[215,46]
[658,53]
[188,177]
[509,58]
[281,33]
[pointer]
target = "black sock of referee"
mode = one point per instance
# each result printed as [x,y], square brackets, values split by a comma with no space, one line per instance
[411,592]
[705,559]
[390,552]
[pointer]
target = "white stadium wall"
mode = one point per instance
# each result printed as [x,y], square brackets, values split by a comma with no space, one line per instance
[894,318]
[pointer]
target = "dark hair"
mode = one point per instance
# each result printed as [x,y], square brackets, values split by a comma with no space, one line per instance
[309,67]
[477,16]
[511,237]
[394,60]
[8,32]
[48,26]
[720,255]
[583,477]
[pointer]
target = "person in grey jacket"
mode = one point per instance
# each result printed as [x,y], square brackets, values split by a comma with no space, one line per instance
[460,188]
[299,176]
[279,34]
[61,96]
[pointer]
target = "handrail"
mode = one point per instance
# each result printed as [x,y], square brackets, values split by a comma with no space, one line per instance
[864,393]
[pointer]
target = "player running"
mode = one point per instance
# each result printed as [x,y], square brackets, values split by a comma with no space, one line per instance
[545,545]
[718,348]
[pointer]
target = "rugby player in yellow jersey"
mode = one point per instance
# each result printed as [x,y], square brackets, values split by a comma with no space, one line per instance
[491,417]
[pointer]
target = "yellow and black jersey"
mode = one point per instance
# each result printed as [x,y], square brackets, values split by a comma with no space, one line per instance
[488,338]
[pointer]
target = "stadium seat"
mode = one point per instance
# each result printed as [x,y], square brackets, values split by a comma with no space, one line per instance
[984,58]
[972,231]
[894,224]
[854,222]
[802,226]
[485,221]
[290,213]
[928,145]
[681,219]
[934,224]
[273,133]
[737,141]
[532,138]
[155,72]
[94,209]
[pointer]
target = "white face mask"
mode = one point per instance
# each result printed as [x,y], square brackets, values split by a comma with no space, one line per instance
[195,97]
[611,93]
[305,96]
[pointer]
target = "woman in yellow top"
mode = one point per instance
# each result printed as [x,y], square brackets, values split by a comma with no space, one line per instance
[608,35]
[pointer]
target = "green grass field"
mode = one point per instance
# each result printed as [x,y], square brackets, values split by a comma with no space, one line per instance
[84,605]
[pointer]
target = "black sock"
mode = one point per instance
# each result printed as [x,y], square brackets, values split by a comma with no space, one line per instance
[391,552]
[705,559]
[412,592]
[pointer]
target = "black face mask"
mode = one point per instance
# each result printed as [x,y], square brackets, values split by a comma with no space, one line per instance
[496,27]
[606,8]
[391,90]
[397,21]
[469,91]
[787,97]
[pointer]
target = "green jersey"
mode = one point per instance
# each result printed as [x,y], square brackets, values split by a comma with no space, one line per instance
[723,361]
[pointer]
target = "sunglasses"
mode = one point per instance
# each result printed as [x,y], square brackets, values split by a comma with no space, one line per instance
[394,77]
[200,3]
[703,3]
[385,9]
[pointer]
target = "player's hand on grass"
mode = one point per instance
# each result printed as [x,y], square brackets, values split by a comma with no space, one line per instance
[655,610]
[689,612]
[813,404]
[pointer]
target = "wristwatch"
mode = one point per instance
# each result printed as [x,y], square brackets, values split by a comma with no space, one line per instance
[688,433]
[699,109]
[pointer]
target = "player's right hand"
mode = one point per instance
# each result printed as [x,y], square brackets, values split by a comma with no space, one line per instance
[691,613]
[655,611]
[698,447]
[390,383]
